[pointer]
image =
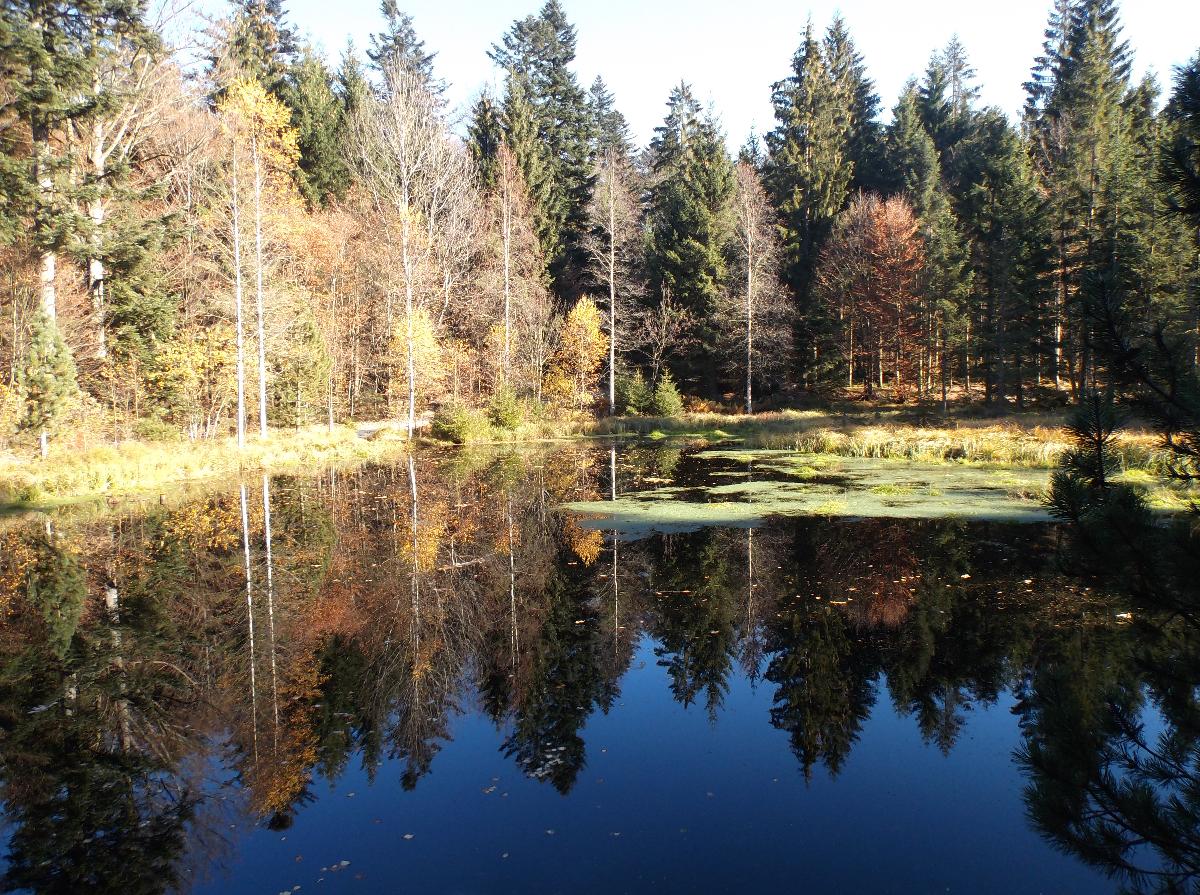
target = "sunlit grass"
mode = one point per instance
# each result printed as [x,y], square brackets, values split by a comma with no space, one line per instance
[130,467]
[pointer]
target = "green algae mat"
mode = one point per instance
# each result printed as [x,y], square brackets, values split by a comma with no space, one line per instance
[741,488]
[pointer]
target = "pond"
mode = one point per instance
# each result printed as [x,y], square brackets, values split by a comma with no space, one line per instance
[589,668]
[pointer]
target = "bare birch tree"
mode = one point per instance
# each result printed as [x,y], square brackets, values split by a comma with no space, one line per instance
[415,172]
[756,310]
[614,245]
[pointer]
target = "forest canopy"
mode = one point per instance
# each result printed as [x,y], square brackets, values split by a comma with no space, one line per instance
[274,238]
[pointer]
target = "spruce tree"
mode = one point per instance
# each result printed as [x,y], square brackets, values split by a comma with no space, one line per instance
[537,52]
[689,226]
[318,119]
[397,48]
[50,55]
[521,135]
[808,173]
[912,166]
[858,104]
[257,43]
[1004,212]
[47,379]
[485,135]
[1180,154]
[610,129]
[350,84]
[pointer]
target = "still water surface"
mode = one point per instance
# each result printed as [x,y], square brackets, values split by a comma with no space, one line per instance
[430,678]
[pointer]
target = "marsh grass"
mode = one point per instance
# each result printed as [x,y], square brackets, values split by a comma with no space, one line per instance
[1034,441]
[131,467]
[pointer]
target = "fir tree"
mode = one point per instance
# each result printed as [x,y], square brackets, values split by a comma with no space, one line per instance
[350,84]
[912,158]
[317,118]
[47,379]
[1180,155]
[521,135]
[610,128]
[50,54]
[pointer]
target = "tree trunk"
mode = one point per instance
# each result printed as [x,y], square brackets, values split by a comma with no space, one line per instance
[258,292]
[237,300]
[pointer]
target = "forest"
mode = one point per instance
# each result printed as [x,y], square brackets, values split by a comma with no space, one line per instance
[201,244]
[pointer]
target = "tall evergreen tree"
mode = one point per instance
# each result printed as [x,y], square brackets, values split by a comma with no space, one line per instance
[318,119]
[689,225]
[1004,212]
[47,379]
[50,54]
[521,135]
[397,48]
[808,172]
[610,128]
[258,43]
[538,51]
[1077,121]
[485,134]
[858,104]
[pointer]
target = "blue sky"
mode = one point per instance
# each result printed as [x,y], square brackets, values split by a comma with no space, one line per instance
[732,50]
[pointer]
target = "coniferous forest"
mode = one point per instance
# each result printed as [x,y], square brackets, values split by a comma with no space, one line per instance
[263,237]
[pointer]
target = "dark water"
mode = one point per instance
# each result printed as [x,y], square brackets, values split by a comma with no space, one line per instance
[426,679]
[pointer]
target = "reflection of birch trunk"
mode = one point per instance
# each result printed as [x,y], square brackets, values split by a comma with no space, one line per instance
[416,585]
[612,462]
[112,603]
[512,583]
[270,601]
[250,617]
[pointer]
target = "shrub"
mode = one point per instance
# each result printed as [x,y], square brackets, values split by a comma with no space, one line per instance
[505,411]
[666,400]
[633,393]
[460,424]
[154,429]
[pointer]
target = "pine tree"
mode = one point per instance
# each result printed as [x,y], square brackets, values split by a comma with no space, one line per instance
[47,379]
[318,119]
[397,48]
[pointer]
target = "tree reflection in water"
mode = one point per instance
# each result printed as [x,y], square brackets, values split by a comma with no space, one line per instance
[354,616]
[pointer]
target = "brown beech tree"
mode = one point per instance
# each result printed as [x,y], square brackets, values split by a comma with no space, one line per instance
[867,278]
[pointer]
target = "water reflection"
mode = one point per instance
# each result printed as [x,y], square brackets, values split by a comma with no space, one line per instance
[168,674]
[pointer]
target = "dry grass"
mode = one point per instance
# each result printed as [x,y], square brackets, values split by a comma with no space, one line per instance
[1032,441]
[132,467]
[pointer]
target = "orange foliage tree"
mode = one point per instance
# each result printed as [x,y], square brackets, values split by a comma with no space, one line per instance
[867,277]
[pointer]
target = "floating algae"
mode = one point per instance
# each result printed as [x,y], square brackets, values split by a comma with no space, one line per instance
[787,483]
